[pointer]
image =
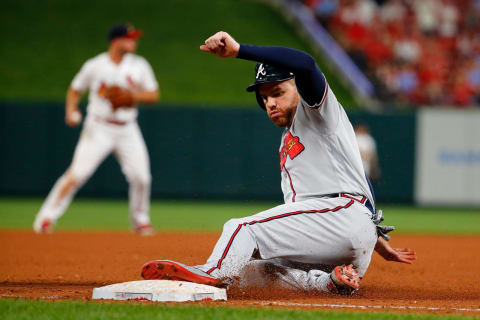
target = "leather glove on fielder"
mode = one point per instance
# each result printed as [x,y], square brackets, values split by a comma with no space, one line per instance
[119,97]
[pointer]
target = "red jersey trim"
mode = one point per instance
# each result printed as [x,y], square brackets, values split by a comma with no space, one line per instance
[361,200]
[291,184]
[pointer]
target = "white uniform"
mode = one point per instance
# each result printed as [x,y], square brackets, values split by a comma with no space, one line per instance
[324,222]
[106,131]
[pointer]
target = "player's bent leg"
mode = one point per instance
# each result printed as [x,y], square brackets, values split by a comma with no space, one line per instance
[92,148]
[232,251]
[307,232]
[58,200]
[273,273]
[334,232]
[363,240]
[316,231]
[56,203]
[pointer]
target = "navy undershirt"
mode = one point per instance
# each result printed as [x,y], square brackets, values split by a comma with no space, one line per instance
[308,77]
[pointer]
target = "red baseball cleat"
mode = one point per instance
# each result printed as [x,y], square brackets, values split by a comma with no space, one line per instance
[345,280]
[145,230]
[171,270]
[43,226]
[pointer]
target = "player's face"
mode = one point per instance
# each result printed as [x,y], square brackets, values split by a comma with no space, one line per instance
[129,45]
[280,99]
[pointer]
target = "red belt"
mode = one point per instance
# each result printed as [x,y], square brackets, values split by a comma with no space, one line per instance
[115,122]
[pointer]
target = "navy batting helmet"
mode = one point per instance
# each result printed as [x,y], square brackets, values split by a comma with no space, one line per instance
[264,74]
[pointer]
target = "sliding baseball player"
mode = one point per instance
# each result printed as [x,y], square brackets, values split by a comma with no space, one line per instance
[323,236]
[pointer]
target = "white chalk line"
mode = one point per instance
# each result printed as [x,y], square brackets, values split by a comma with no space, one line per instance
[364,307]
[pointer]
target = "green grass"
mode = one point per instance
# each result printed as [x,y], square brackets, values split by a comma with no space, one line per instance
[210,216]
[21,309]
[113,214]
[44,44]
[433,220]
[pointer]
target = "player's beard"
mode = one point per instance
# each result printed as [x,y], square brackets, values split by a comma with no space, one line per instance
[286,119]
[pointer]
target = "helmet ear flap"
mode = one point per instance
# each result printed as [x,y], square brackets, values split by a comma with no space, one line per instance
[260,100]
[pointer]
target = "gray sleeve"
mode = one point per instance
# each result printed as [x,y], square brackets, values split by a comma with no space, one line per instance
[326,113]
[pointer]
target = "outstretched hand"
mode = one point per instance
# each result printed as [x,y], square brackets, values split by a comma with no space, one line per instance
[222,45]
[403,255]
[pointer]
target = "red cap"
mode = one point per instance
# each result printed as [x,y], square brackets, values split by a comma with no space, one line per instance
[124,31]
[132,33]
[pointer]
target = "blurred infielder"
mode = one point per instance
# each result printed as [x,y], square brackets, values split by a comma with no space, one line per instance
[368,151]
[117,81]
[323,237]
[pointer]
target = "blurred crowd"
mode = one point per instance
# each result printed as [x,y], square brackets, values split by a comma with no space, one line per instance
[416,52]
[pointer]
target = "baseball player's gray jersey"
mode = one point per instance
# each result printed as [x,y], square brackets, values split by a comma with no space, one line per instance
[319,154]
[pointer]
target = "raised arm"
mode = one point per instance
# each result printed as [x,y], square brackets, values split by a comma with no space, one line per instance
[309,79]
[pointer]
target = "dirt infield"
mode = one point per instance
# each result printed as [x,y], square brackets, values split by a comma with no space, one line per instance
[68,265]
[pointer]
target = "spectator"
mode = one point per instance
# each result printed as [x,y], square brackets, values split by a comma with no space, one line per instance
[415,51]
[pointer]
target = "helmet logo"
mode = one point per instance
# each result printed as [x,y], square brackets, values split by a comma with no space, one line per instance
[261,71]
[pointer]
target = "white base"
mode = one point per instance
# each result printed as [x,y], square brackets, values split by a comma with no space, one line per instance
[159,290]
